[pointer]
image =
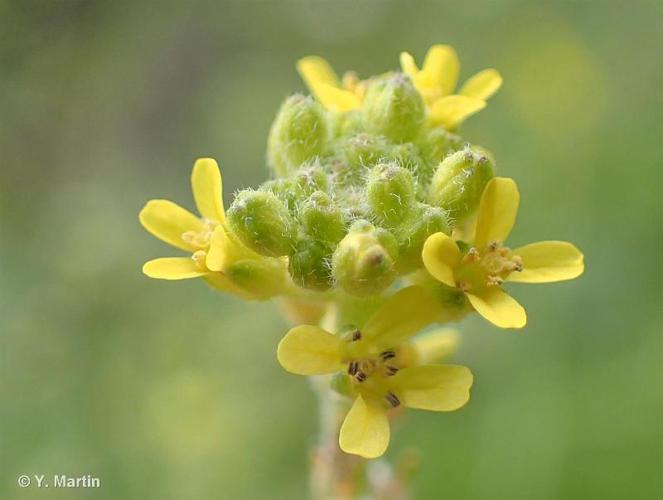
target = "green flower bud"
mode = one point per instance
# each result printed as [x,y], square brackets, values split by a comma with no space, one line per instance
[437,143]
[459,182]
[393,108]
[263,278]
[309,264]
[299,133]
[364,261]
[413,232]
[321,218]
[390,192]
[262,222]
[363,150]
[406,156]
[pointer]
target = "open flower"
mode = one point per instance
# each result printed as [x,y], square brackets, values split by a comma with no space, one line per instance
[377,361]
[204,237]
[437,80]
[323,82]
[479,268]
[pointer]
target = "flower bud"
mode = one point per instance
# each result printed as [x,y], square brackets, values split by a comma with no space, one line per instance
[436,143]
[299,133]
[393,108]
[321,218]
[363,263]
[390,192]
[413,232]
[262,278]
[309,264]
[459,182]
[262,222]
[363,150]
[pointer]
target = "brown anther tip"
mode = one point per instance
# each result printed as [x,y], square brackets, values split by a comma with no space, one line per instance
[387,355]
[393,399]
[356,335]
[360,376]
[391,371]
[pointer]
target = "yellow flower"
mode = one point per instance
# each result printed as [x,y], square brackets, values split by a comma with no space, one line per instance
[204,237]
[377,361]
[437,80]
[478,269]
[323,82]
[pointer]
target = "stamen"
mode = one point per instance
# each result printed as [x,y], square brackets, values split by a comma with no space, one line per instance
[387,355]
[393,400]
[356,335]
[353,367]
[391,371]
[360,376]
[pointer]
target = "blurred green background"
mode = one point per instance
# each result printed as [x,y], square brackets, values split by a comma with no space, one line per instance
[172,391]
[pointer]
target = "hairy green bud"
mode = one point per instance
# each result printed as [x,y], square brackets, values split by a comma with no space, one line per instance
[262,222]
[364,261]
[423,221]
[309,264]
[263,278]
[363,150]
[390,192]
[436,143]
[459,182]
[321,218]
[393,108]
[298,134]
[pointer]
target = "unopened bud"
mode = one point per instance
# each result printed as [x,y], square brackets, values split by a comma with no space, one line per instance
[321,218]
[459,182]
[309,264]
[262,278]
[437,143]
[363,263]
[393,108]
[413,232]
[262,222]
[390,192]
[299,133]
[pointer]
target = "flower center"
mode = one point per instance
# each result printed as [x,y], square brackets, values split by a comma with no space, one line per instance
[488,266]
[200,240]
[369,373]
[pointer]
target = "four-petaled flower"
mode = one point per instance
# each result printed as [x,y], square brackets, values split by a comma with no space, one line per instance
[382,376]
[204,237]
[437,80]
[479,267]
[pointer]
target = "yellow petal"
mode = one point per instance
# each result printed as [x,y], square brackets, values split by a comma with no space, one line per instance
[336,99]
[365,430]
[482,85]
[315,70]
[216,256]
[207,189]
[433,387]
[173,268]
[309,350]
[401,316]
[324,84]
[497,211]
[441,256]
[441,68]
[434,346]
[168,222]
[548,261]
[408,65]
[498,307]
[450,111]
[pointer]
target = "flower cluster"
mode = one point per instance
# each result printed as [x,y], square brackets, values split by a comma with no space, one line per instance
[379,221]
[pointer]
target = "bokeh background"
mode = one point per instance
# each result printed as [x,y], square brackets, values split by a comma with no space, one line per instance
[172,391]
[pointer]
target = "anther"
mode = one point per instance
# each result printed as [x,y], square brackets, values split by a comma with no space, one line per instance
[391,370]
[356,335]
[387,355]
[360,376]
[353,367]
[493,246]
[392,399]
